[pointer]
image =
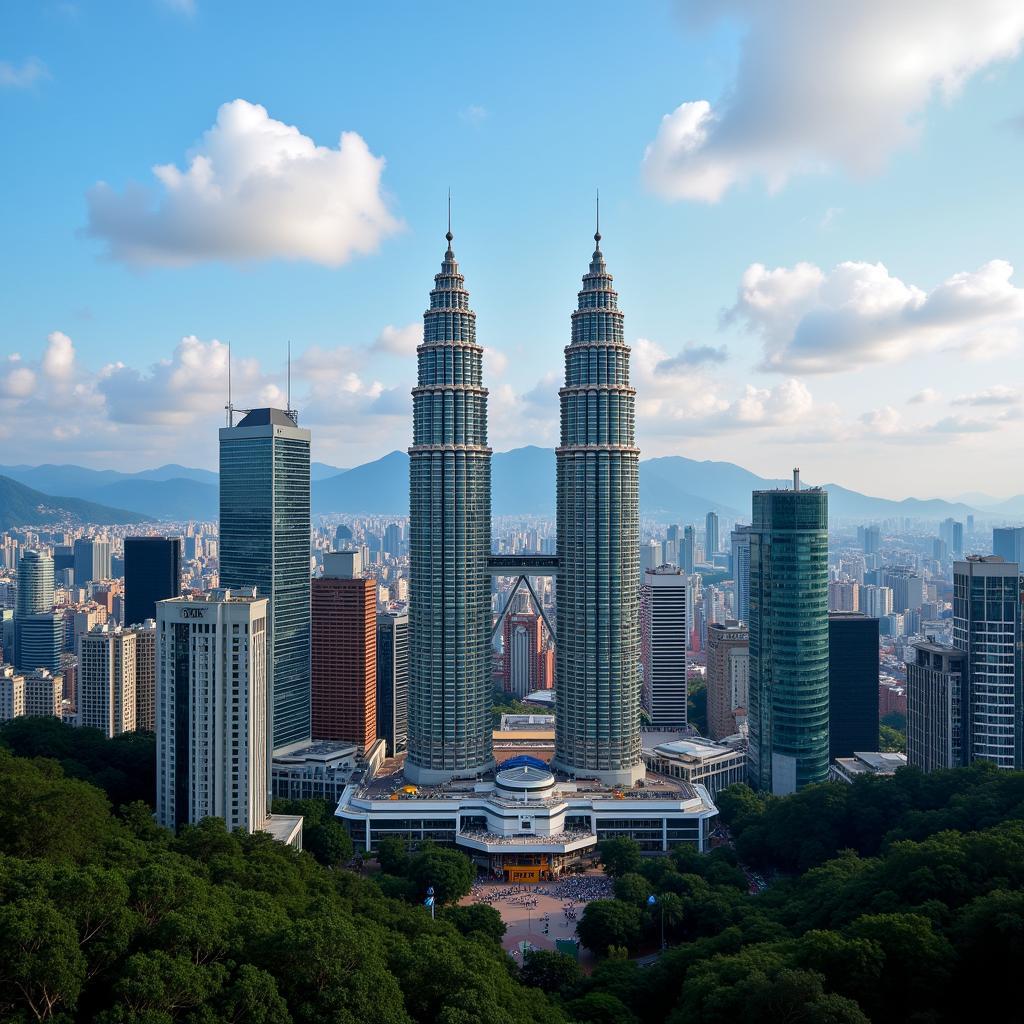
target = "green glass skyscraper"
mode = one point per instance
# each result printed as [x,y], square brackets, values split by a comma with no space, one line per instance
[265,542]
[597,720]
[449,540]
[788,698]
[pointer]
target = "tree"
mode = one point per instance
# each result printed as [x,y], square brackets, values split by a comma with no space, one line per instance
[550,971]
[620,855]
[890,739]
[609,923]
[477,918]
[392,856]
[737,801]
[322,834]
[449,872]
[633,889]
[599,1008]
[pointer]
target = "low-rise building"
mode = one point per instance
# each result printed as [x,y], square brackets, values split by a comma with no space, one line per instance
[847,769]
[697,761]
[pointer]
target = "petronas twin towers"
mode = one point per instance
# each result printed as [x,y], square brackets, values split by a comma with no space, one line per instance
[598,643]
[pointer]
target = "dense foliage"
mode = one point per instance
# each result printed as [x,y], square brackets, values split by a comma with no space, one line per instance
[901,927]
[124,768]
[111,919]
[891,900]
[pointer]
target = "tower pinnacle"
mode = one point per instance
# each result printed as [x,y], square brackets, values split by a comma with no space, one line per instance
[597,231]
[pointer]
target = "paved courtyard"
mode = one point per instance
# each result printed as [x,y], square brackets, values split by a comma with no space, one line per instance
[541,912]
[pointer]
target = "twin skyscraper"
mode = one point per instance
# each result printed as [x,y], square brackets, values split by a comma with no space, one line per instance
[598,520]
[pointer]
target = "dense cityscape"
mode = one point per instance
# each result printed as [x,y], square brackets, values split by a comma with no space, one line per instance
[510,711]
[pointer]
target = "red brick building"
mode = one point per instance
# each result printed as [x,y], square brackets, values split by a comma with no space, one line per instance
[344,657]
[526,664]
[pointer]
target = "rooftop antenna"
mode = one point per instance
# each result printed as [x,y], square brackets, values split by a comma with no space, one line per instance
[597,222]
[228,407]
[449,236]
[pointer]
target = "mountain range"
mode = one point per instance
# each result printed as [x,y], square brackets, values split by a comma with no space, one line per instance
[24,506]
[672,489]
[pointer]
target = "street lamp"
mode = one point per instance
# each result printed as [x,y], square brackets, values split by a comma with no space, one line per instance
[652,900]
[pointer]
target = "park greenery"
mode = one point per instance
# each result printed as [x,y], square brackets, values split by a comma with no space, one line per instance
[889,900]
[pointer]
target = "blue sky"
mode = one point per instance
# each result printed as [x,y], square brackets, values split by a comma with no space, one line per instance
[745,245]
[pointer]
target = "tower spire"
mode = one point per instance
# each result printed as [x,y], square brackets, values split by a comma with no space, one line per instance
[597,224]
[449,236]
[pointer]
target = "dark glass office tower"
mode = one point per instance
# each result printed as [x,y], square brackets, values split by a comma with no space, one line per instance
[852,683]
[265,542]
[449,540]
[597,720]
[152,572]
[788,700]
[393,681]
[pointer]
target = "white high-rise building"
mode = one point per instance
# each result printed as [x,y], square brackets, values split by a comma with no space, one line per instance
[145,676]
[211,709]
[106,680]
[663,645]
[12,693]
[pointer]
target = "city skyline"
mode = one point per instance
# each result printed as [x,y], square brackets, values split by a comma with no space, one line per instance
[752,265]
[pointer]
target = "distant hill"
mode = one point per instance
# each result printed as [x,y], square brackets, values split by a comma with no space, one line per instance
[24,506]
[167,492]
[672,489]
[379,487]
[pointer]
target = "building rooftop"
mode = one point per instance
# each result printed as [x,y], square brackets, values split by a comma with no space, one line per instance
[267,418]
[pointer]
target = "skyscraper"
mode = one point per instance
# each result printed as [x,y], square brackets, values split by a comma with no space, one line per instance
[106,680]
[597,721]
[987,628]
[1008,543]
[936,711]
[35,584]
[852,683]
[728,679]
[92,560]
[688,551]
[788,713]
[145,676]
[449,541]
[740,541]
[264,542]
[36,640]
[663,646]
[393,681]
[211,710]
[344,653]
[710,536]
[525,661]
[152,572]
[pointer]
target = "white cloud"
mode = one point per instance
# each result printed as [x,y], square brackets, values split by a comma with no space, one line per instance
[59,357]
[174,391]
[924,397]
[823,85]
[399,341]
[999,394]
[254,189]
[17,380]
[24,75]
[859,314]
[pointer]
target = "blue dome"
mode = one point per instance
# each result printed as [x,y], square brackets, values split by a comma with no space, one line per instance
[523,761]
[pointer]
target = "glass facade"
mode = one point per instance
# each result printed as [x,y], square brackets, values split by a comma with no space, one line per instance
[449,540]
[788,712]
[987,628]
[152,572]
[597,722]
[265,542]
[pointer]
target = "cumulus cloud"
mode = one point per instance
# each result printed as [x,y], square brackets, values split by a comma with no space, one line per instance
[1000,394]
[253,189]
[924,397]
[823,85]
[694,355]
[23,75]
[59,357]
[175,390]
[399,341]
[816,322]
